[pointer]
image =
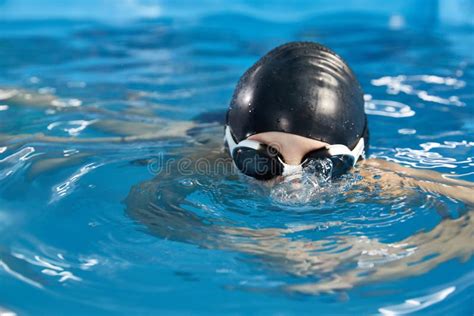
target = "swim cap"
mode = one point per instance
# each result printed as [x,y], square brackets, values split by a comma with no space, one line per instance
[301,88]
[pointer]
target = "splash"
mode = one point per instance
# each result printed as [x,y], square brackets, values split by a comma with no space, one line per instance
[311,185]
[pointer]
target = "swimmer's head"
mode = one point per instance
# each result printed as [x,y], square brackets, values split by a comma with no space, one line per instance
[305,91]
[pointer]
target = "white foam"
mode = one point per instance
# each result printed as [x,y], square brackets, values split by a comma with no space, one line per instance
[310,185]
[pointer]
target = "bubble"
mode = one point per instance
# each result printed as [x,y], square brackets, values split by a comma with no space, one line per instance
[304,187]
[187,182]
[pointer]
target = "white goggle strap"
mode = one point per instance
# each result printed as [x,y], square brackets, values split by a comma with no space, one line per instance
[245,143]
[358,150]
[229,140]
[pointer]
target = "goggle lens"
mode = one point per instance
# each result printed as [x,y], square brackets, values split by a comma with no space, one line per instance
[262,163]
[321,162]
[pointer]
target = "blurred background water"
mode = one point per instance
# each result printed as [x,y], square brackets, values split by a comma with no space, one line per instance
[68,244]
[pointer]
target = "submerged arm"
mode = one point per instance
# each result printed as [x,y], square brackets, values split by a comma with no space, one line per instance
[326,258]
[393,174]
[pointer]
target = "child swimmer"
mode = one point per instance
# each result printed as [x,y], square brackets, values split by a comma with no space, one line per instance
[298,106]
[301,107]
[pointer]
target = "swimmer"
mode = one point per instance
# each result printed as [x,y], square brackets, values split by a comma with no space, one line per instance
[297,107]
[301,106]
[300,103]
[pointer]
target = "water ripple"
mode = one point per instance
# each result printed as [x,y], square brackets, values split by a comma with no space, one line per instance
[73,128]
[387,108]
[417,304]
[14,162]
[81,216]
[429,157]
[408,84]
[66,187]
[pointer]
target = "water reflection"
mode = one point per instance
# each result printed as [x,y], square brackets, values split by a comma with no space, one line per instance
[416,304]
[410,84]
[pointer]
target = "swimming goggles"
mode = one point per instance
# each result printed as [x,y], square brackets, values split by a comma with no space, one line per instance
[264,162]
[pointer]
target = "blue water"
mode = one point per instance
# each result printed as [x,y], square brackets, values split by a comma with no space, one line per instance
[87,228]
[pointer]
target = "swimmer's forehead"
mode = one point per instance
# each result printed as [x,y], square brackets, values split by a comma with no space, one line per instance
[292,147]
[287,139]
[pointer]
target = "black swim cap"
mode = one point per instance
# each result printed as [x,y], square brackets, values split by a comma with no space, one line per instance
[301,88]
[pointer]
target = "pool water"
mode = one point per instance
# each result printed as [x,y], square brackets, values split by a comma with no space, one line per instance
[93,94]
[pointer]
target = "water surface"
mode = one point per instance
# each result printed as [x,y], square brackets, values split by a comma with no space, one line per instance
[86,227]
